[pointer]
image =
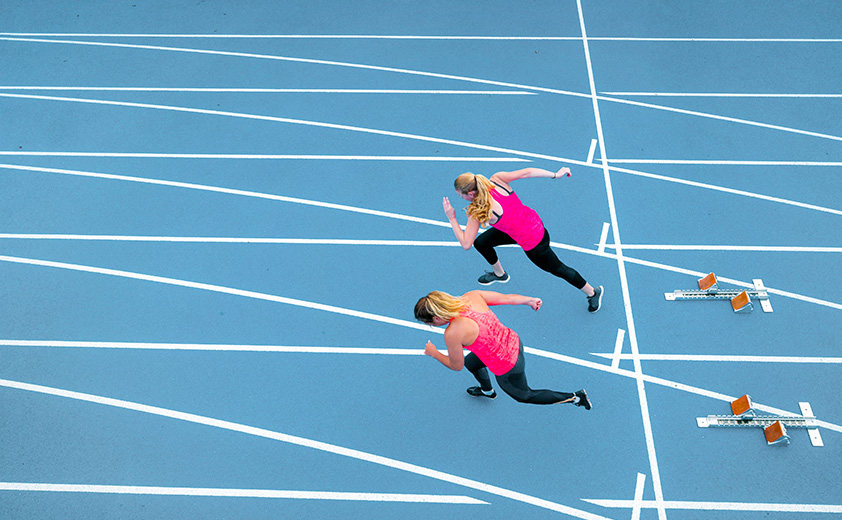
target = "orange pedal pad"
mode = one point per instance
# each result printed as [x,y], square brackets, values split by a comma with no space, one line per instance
[741,302]
[776,433]
[742,405]
[708,283]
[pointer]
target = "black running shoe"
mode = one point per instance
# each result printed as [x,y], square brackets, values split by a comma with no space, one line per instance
[477,392]
[583,399]
[595,301]
[489,278]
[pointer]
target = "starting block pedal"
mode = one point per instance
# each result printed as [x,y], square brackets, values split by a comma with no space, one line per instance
[774,426]
[776,434]
[740,300]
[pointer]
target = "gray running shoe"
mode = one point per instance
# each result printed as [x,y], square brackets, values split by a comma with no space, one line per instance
[477,392]
[489,278]
[595,301]
[583,399]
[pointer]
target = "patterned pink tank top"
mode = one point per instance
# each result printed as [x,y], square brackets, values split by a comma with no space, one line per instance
[520,222]
[497,346]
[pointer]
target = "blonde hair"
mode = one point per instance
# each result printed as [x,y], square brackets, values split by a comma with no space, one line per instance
[480,208]
[440,304]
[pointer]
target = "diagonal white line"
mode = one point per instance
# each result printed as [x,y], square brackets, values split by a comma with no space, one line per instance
[641,389]
[239,493]
[135,155]
[297,60]
[638,496]
[221,289]
[722,506]
[307,443]
[713,358]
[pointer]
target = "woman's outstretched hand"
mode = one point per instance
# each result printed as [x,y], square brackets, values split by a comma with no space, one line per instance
[448,209]
[564,172]
[535,303]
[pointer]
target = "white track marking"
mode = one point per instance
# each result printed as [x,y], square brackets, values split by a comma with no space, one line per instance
[725,162]
[220,289]
[291,59]
[238,493]
[757,249]
[720,94]
[213,36]
[721,506]
[591,151]
[638,496]
[213,347]
[603,237]
[307,443]
[234,240]
[227,191]
[273,90]
[726,190]
[131,155]
[258,117]
[713,358]
[727,119]
[618,348]
[641,390]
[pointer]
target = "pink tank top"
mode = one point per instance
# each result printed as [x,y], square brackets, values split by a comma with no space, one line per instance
[520,222]
[497,346]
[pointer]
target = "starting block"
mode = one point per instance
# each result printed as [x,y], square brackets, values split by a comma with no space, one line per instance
[740,300]
[774,426]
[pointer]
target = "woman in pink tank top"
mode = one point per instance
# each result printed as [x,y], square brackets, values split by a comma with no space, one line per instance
[471,325]
[495,204]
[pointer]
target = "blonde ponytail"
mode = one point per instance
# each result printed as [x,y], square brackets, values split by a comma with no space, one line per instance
[480,208]
[440,304]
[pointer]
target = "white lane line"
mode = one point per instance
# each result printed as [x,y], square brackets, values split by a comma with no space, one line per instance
[726,190]
[212,347]
[239,493]
[273,90]
[291,59]
[757,249]
[641,390]
[221,289]
[603,237]
[727,119]
[618,349]
[638,496]
[721,506]
[422,37]
[720,94]
[591,151]
[407,352]
[713,358]
[258,117]
[298,36]
[307,443]
[233,240]
[724,162]
[131,155]
[226,191]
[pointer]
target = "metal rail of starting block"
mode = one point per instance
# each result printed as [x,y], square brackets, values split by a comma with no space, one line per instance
[750,419]
[715,293]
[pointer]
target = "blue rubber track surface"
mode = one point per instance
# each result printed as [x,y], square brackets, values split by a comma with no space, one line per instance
[216,218]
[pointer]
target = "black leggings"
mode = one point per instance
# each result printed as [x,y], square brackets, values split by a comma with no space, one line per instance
[541,255]
[514,382]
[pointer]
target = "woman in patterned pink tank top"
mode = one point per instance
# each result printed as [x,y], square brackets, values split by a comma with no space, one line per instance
[494,203]
[471,325]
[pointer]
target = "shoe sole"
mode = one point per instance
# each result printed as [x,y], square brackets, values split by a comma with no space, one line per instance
[584,397]
[495,281]
[598,301]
